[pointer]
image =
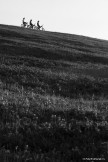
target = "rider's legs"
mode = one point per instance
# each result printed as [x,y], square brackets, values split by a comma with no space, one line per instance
[39,27]
[24,23]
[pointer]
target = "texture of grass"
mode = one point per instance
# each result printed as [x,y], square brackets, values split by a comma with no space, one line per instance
[53,96]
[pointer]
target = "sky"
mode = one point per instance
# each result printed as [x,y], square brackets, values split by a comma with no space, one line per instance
[81,17]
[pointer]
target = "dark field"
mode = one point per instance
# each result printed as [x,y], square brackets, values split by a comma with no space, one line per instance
[53,96]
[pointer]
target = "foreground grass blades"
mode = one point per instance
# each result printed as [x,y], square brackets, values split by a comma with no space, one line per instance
[49,127]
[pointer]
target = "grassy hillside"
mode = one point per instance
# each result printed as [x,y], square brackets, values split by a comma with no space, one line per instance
[53,96]
[63,64]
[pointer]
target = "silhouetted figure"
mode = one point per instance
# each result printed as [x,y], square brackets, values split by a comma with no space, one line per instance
[31,24]
[38,25]
[24,23]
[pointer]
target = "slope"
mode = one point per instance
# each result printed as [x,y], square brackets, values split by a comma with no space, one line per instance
[54,63]
[53,96]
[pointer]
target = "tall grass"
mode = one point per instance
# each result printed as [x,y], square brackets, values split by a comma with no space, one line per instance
[53,96]
[35,127]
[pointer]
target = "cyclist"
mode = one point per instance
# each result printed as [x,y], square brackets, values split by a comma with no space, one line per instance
[38,25]
[24,23]
[31,25]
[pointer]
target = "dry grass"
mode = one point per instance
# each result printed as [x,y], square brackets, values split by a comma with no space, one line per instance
[53,96]
[38,127]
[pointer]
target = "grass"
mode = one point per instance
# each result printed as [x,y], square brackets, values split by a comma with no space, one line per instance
[51,127]
[53,96]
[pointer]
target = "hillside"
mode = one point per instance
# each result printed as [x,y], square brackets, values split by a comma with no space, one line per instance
[53,96]
[65,64]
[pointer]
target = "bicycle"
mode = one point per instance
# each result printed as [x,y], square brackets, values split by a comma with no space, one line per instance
[37,28]
[24,25]
[30,27]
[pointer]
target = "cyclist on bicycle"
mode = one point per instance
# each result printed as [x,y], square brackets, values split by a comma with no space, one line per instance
[31,25]
[24,23]
[38,25]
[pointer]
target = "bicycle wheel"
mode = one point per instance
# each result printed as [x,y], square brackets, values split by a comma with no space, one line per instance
[22,25]
[43,29]
[35,27]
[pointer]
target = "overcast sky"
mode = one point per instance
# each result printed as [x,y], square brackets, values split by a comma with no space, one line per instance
[82,17]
